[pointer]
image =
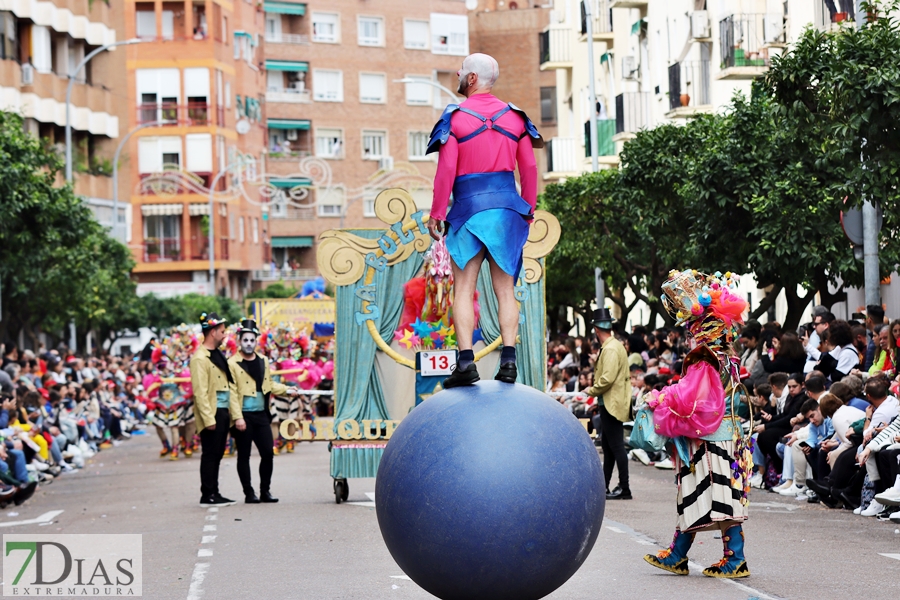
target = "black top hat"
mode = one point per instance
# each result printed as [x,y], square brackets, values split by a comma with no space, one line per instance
[248,326]
[603,319]
[210,321]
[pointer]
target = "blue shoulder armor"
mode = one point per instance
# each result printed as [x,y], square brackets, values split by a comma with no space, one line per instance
[441,131]
[536,140]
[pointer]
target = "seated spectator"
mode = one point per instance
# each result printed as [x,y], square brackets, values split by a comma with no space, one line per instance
[785,355]
[836,459]
[843,357]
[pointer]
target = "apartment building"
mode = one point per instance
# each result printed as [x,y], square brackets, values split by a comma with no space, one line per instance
[40,42]
[195,94]
[657,62]
[338,117]
[509,31]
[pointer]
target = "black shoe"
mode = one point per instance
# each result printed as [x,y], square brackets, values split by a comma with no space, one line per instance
[251,498]
[267,497]
[507,373]
[460,377]
[848,500]
[25,492]
[619,494]
[823,490]
[215,500]
[814,499]
[7,493]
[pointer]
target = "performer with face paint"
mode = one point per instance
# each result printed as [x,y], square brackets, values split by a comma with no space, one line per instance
[480,142]
[254,384]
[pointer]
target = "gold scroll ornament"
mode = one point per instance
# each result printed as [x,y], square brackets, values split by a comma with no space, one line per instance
[341,255]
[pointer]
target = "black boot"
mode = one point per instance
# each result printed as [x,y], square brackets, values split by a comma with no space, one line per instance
[460,377]
[267,496]
[250,497]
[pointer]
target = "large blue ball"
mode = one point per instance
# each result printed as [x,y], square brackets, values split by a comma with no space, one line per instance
[491,491]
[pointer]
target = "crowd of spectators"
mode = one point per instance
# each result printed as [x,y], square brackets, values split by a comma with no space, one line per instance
[822,402]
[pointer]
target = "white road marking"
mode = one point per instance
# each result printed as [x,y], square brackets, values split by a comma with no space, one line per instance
[370,504]
[43,519]
[756,593]
[209,528]
[204,552]
[894,556]
[616,529]
[775,505]
[197,578]
[213,509]
[212,517]
[404,577]
[208,539]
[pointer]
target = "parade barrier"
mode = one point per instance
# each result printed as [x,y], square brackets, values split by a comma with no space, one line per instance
[377,380]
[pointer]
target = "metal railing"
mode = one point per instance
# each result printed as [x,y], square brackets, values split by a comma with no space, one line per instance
[744,38]
[285,274]
[171,114]
[288,95]
[633,112]
[602,17]
[689,84]
[287,38]
[554,44]
[606,129]
[291,155]
[162,249]
[828,13]
[292,212]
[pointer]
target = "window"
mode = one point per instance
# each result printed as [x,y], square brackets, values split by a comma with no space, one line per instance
[273,27]
[168,24]
[329,143]
[255,230]
[162,236]
[415,35]
[156,154]
[418,93]
[9,49]
[241,230]
[145,24]
[369,203]
[331,202]
[41,59]
[274,80]
[418,143]
[231,231]
[198,151]
[328,86]
[449,34]
[371,31]
[326,27]
[160,92]
[548,104]
[374,145]
[372,88]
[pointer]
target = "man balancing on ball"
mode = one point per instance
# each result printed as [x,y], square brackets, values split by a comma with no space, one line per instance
[480,143]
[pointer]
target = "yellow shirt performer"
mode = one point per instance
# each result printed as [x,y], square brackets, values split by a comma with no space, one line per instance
[253,384]
[215,406]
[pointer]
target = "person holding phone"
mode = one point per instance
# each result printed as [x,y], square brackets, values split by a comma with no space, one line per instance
[804,451]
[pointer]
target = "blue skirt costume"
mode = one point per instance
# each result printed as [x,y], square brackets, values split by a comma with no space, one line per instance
[487,211]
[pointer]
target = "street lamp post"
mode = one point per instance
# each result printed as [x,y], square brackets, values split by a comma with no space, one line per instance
[453,96]
[72,75]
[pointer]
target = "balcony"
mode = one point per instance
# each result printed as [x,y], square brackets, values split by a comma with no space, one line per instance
[288,96]
[561,158]
[606,131]
[295,213]
[162,250]
[555,48]
[628,3]
[745,40]
[283,274]
[601,23]
[827,17]
[689,92]
[287,38]
[633,113]
[169,114]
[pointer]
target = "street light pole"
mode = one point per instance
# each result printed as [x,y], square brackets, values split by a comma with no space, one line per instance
[592,110]
[72,75]
[453,96]
[115,176]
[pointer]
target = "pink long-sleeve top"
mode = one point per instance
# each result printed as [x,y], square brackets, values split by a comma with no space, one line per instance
[487,152]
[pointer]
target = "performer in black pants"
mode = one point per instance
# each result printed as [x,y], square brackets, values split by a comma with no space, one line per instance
[215,406]
[254,385]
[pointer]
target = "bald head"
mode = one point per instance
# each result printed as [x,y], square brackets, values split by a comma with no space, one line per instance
[479,73]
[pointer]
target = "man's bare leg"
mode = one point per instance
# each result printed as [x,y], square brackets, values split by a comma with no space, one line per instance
[464,283]
[508,309]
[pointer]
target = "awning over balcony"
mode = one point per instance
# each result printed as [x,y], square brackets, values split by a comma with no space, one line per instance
[197,209]
[285,8]
[290,182]
[287,65]
[296,241]
[161,209]
[288,124]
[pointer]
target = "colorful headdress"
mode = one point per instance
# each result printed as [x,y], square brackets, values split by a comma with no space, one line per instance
[705,304]
[210,320]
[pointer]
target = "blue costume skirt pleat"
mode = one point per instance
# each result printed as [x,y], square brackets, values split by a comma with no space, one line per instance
[501,232]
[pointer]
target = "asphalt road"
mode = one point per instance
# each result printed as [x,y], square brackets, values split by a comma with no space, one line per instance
[310,548]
